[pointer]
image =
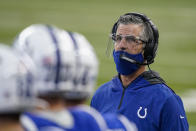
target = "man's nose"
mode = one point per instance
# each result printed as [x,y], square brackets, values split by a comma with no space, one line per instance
[123,44]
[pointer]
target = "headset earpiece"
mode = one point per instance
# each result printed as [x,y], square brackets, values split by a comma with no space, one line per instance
[114,28]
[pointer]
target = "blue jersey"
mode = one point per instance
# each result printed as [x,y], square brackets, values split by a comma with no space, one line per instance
[81,118]
[147,101]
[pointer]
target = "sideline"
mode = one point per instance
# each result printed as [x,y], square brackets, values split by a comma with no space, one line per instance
[189,100]
[192,128]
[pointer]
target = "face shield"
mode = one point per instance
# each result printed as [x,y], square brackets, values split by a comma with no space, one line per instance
[110,46]
[129,39]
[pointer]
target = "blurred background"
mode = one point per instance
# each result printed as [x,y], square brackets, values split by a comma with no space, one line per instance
[176,21]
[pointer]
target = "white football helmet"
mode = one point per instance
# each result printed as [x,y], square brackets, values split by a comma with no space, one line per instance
[16,79]
[66,62]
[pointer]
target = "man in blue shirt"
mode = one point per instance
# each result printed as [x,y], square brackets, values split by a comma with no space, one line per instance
[142,96]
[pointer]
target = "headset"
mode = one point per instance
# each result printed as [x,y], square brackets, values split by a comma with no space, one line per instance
[151,45]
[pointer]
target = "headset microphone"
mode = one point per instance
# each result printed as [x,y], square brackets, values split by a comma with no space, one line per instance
[122,56]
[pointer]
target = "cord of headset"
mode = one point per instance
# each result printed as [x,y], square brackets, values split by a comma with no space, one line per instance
[162,81]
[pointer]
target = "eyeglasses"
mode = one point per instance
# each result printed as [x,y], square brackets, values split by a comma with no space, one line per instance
[128,38]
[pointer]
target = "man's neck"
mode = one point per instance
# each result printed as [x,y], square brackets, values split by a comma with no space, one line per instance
[53,105]
[127,79]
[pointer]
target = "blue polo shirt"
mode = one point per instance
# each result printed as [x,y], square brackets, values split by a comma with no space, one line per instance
[147,101]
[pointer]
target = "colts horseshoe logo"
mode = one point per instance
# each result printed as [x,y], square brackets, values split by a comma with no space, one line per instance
[142,116]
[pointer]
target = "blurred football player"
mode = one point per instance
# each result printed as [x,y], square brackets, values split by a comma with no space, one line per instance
[66,73]
[15,91]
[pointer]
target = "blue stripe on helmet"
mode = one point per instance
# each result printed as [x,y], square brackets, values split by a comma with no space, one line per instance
[78,64]
[74,40]
[58,56]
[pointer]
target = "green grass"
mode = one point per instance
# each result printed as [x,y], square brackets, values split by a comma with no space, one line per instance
[175,20]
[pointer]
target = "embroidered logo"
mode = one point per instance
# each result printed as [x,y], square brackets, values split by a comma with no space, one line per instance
[139,113]
[181,117]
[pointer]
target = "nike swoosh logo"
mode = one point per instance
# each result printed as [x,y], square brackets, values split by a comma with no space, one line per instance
[182,117]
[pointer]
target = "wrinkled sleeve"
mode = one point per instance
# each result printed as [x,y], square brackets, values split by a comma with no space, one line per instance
[173,117]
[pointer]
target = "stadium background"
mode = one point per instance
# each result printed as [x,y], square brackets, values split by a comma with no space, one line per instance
[176,58]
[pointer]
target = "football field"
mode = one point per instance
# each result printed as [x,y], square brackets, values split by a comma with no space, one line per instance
[175,19]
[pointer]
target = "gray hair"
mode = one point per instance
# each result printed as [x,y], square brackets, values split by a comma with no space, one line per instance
[146,34]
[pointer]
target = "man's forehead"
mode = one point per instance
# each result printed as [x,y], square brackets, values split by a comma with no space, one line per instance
[129,29]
